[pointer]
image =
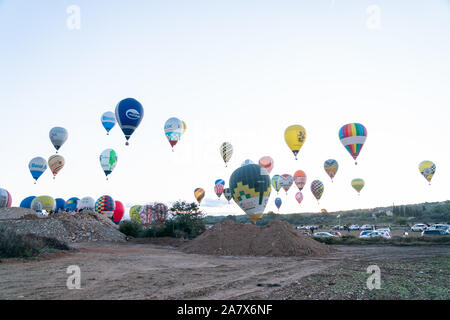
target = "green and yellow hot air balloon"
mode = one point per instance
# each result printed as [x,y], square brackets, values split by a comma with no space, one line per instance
[358,184]
[427,169]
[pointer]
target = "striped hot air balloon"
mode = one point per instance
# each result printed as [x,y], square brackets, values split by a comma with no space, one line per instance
[300,179]
[226,151]
[199,194]
[353,136]
[358,184]
[331,167]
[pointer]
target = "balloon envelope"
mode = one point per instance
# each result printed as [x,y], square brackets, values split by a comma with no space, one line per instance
[108,161]
[134,213]
[58,136]
[108,120]
[276,183]
[173,129]
[358,184]
[105,205]
[267,163]
[37,167]
[278,203]
[60,203]
[129,114]
[86,203]
[353,136]
[218,189]
[71,204]
[317,189]
[299,197]
[5,198]
[199,194]
[56,163]
[295,137]
[300,179]
[250,186]
[119,210]
[226,151]
[26,203]
[286,181]
[227,194]
[146,214]
[46,203]
[331,166]
[427,169]
[160,212]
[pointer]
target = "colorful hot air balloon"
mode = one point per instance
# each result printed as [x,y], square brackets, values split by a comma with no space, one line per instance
[227,194]
[134,213]
[108,161]
[129,114]
[266,162]
[105,205]
[56,163]
[108,121]
[146,214]
[278,203]
[37,167]
[275,183]
[353,136]
[358,184]
[26,203]
[58,136]
[173,129]
[5,198]
[46,203]
[250,187]
[220,181]
[300,179]
[86,203]
[160,212]
[119,210]
[295,137]
[72,204]
[226,151]
[199,194]
[218,189]
[286,181]
[59,204]
[299,197]
[331,167]
[317,188]
[427,169]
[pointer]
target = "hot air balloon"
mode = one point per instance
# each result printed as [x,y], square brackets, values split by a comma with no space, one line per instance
[56,163]
[295,137]
[173,129]
[105,205]
[331,167]
[184,126]
[317,188]
[129,114]
[146,214]
[358,184]
[119,210]
[199,194]
[250,187]
[72,204]
[227,194]
[300,179]
[26,203]
[134,213]
[275,183]
[86,203]
[278,203]
[108,121]
[5,198]
[160,213]
[299,197]
[37,167]
[58,136]
[59,204]
[218,189]
[226,151]
[427,169]
[286,181]
[220,181]
[266,162]
[46,203]
[108,161]
[353,136]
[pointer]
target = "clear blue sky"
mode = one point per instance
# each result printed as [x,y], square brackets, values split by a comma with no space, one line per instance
[238,71]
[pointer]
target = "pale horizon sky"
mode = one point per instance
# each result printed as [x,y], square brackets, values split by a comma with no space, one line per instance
[237,71]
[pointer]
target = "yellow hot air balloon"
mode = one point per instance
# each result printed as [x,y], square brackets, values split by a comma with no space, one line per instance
[295,137]
[56,163]
[184,126]
[358,184]
[427,169]
[199,194]
[46,203]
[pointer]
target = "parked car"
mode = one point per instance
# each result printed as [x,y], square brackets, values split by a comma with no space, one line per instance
[384,230]
[365,234]
[419,227]
[323,235]
[434,232]
[354,227]
[366,227]
[444,227]
[336,233]
[375,234]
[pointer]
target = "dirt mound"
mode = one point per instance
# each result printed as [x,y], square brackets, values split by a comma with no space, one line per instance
[65,227]
[277,239]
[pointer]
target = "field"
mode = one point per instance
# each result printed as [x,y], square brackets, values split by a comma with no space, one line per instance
[146,270]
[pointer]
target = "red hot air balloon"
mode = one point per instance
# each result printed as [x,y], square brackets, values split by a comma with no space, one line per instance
[119,210]
[160,212]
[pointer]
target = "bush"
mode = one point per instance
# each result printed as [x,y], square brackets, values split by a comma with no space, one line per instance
[13,245]
[130,228]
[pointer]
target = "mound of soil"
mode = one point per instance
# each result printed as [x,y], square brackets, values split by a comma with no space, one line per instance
[65,227]
[277,239]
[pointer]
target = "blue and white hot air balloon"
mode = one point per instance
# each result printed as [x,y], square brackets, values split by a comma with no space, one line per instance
[37,167]
[108,121]
[58,136]
[129,114]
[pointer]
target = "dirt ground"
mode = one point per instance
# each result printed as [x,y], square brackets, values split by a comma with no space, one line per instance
[136,270]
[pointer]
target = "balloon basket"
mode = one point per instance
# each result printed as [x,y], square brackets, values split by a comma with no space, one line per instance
[127,143]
